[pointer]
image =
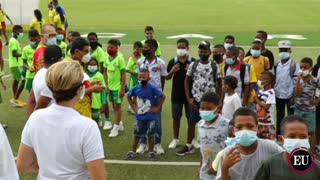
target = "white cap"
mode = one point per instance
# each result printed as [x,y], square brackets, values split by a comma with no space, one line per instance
[284,44]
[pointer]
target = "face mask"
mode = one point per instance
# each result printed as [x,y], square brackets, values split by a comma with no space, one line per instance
[94,45]
[33,44]
[227,45]
[52,41]
[86,58]
[92,68]
[284,55]
[255,53]
[60,37]
[207,115]
[246,137]
[137,53]
[182,52]
[146,53]
[204,57]
[112,52]
[291,144]
[230,61]
[20,35]
[83,92]
[143,82]
[260,85]
[230,141]
[305,73]
[216,57]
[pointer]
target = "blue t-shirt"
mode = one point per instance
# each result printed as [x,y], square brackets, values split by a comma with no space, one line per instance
[147,97]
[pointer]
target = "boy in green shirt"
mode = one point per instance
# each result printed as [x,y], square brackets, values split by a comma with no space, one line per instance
[116,81]
[60,42]
[132,67]
[294,135]
[149,34]
[96,49]
[15,64]
[27,57]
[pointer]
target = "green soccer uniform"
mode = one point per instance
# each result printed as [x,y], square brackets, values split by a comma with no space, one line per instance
[132,66]
[158,51]
[63,47]
[114,68]
[99,54]
[27,55]
[15,62]
[98,99]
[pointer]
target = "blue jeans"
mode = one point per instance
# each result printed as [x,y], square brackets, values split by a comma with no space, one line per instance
[158,131]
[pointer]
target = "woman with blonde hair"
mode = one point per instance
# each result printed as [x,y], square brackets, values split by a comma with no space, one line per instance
[57,141]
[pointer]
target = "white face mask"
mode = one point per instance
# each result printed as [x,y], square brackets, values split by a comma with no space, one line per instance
[182,52]
[83,92]
[260,85]
[86,58]
[291,144]
[92,68]
[305,73]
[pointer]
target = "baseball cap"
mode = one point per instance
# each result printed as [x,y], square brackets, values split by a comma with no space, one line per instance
[204,44]
[284,44]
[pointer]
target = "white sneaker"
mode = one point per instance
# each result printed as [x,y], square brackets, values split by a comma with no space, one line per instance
[142,148]
[107,125]
[195,143]
[115,131]
[121,128]
[158,149]
[100,123]
[174,143]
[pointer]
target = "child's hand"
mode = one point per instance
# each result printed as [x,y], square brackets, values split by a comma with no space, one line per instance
[176,68]
[97,88]
[232,158]
[122,93]
[155,109]
[31,69]
[135,108]
[95,82]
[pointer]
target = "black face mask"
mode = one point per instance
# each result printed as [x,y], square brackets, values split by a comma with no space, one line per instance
[146,53]
[94,44]
[217,57]
[204,57]
[143,82]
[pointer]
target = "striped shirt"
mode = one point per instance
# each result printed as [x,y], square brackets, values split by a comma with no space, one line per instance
[304,102]
[266,117]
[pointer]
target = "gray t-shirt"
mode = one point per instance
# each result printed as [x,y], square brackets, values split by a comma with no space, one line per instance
[247,168]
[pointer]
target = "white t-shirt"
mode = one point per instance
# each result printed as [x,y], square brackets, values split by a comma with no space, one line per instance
[8,168]
[230,105]
[247,168]
[64,142]
[40,87]
[267,97]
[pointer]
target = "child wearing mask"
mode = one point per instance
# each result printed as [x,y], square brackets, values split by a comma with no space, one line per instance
[305,97]
[294,130]
[149,34]
[265,108]
[116,80]
[98,99]
[213,131]
[60,42]
[96,49]
[146,100]
[231,101]
[132,67]
[242,161]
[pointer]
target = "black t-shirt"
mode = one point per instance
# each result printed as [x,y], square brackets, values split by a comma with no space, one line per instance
[178,91]
[268,54]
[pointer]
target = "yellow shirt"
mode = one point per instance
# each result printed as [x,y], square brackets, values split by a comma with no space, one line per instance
[57,21]
[51,16]
[259,64]
[216,162]
[3,14]
[37,25]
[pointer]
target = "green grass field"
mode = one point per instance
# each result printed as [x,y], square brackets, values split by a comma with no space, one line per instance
[213,18]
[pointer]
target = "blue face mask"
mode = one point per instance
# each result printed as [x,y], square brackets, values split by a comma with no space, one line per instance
[246,137]
[230,61]
[52,41]
[284,55]
[227,45]
[255,53]
[291,144]
[208,115]
[230,141]
[60,37]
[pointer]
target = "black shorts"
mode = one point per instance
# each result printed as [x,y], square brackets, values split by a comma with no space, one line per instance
[176,110]
[194,114]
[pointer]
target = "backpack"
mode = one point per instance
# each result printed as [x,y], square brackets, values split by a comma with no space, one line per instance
[292,68]
[176,59]
[242,72]
[213,66]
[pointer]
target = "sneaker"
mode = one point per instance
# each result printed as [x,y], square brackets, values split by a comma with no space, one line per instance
[115,131]
[174,143]
[158,149]
[195,143]
[100,123]
[142,148]
[131,155]
[153,156]
[186,150]
[107,125]
[121,128]
[20,102]
[15,103]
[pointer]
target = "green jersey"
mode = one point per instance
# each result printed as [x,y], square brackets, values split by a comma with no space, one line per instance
[14,45]
[132,66]
[63,47]
[27,55]
[98,99]
[114,68]
[158,51]
[99,54]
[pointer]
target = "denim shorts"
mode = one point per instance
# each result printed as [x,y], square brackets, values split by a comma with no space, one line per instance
[143,127]
[309,116]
